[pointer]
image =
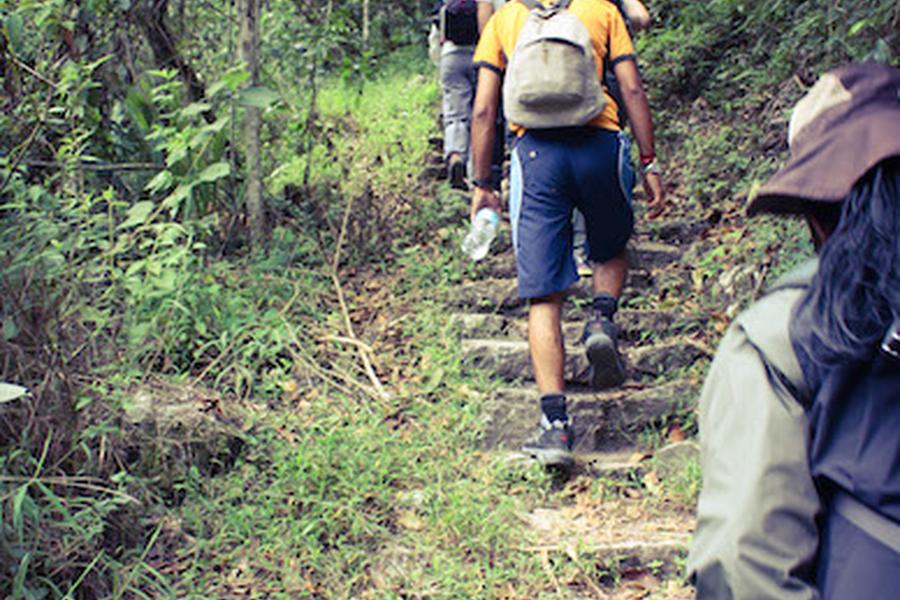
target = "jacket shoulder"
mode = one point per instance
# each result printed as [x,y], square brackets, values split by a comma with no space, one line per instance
[766,323]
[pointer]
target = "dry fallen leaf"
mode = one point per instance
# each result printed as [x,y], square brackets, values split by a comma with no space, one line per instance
[676,434]
[408,519]
[652,483]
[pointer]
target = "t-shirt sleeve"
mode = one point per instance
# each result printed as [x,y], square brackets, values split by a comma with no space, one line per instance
[489,52]
[620,45]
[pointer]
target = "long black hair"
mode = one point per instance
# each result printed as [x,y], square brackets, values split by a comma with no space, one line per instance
[855,295]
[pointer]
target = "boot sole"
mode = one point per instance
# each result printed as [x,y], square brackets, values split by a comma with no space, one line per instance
[607,369]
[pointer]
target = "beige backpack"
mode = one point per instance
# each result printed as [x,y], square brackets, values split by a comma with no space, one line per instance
[551,79]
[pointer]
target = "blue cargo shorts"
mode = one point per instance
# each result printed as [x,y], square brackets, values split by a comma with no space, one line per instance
[554,171]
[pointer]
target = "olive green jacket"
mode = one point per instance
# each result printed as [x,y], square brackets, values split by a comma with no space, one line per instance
[756,534]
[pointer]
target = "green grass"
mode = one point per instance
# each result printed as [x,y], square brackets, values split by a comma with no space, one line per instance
[344,496]
[328,496]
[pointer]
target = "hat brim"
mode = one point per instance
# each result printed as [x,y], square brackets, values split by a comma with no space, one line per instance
[820,173]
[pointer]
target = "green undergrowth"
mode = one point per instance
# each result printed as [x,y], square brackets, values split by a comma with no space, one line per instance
[722,78]
[340,495]
[342,499]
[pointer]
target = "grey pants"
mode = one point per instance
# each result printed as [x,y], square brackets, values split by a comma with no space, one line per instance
[579,235]
[458,87]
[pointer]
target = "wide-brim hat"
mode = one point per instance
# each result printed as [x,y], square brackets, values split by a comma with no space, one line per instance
[847,123]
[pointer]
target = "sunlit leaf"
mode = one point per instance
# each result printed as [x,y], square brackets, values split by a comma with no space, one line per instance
[195,108]
[14,26]
[166,281]
[174,200]
[857,27]
[10,392]
[137,214]
[177,151]
[213,172]
[160,181]
[10,329]
[258,97]
[230,80]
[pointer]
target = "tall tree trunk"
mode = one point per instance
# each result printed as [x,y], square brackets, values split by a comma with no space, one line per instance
[151,15]
[10,78]
[365,27]
[248,13]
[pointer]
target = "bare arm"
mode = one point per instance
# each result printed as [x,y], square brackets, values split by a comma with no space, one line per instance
[642,127]
[485,10]
[484,117]
[637,14]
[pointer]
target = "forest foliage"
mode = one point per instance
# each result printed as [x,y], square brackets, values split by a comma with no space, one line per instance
[125,251]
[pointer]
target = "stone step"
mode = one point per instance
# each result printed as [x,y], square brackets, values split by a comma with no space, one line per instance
[672,231]
[634,324]
[652,255]
[618,534]
[601,421]
[496,294]
[644,255]
[510,359]
[619,465]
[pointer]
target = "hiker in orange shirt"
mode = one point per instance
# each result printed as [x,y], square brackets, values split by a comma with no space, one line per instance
[553,171]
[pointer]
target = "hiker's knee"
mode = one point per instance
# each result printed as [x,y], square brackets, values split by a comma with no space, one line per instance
[547,300]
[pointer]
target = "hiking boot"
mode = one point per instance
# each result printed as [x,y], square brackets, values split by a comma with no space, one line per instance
[607,369]
[552,444]
[456,172]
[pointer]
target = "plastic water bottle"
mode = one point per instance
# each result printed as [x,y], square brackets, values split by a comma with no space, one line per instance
[483,231]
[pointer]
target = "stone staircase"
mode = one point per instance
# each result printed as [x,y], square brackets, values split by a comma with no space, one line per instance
[609,425]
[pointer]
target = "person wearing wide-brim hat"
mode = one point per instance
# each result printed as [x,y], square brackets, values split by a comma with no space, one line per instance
[800,412]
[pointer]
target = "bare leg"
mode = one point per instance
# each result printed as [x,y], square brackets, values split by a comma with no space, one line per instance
[545,342]
[609,276]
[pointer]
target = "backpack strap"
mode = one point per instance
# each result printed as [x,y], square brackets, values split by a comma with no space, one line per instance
[870,521]
[767,324]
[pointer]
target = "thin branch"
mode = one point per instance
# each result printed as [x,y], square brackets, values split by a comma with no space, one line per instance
[326,375]
[216,360]
[345,340]
[28,68]
[348,323]
[89,166]
[548,569]
[21,155]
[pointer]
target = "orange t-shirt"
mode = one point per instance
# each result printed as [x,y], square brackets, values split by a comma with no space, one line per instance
[601,18]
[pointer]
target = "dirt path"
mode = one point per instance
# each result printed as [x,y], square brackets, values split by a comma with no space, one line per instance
[630,441]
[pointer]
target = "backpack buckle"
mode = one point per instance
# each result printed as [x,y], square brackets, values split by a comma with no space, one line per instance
[890,345]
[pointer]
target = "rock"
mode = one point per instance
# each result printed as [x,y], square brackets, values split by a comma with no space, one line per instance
[664,358]
[601,421]
[653,255]
[672,460]
[173,427]
[510,359]
[633,325]
[642,256]
[676,231]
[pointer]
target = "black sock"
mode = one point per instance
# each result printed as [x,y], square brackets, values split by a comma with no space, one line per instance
[554,407]
[605,305]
